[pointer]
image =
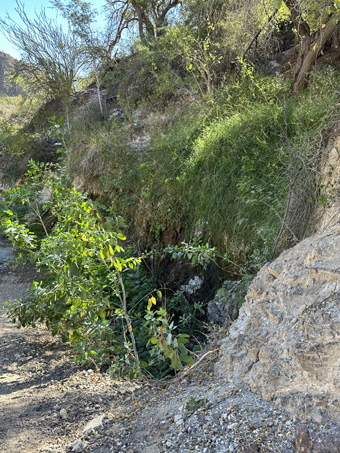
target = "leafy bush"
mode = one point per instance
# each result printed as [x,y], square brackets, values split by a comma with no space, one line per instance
[86,278]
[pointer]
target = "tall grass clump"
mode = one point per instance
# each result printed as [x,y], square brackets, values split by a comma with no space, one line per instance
[243,162]
[255,162]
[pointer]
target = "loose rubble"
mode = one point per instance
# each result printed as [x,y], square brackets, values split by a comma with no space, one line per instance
[211,417]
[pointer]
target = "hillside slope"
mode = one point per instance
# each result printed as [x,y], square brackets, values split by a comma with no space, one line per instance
[6,61]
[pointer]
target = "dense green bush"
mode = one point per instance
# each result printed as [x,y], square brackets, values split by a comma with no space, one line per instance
[93,292]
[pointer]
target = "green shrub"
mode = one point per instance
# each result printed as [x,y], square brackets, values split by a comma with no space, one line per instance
[87,278]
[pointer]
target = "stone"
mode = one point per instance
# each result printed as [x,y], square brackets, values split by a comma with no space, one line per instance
[285,344]
[323,441]
[193,285]
[215,314]
[77,446]
[63,414]
[94,424]
[251,448]
[117,113]
[272,272]
[330,176]
[178,418]
[225,305]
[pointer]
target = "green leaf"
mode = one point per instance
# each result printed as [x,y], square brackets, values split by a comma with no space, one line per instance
[118,265]
[182,348]
[121,236]
[176,362]
[190,361]
[183,338]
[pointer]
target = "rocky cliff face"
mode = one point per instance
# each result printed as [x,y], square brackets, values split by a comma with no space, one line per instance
[5,62]
[286,342]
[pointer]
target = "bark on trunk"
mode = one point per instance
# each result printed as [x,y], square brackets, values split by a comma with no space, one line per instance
[143,20]
[311,53]
[303,65]
[311,45]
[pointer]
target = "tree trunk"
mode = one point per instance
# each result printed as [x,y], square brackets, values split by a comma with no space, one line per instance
[311,46]
[305,60]
[312,52]
[98,89]
[143,20]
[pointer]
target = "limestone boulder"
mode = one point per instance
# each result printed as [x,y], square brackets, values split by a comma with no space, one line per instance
[286,342]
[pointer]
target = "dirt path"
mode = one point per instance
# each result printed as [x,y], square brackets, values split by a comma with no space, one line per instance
[30,360]
[44,398]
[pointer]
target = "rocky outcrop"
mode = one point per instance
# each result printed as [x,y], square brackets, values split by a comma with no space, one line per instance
[6,87]
[286,342]
[325,441]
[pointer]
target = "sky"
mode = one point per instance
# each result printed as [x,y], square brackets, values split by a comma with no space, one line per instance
[30,7]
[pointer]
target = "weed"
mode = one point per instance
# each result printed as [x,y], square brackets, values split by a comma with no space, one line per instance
[194,403]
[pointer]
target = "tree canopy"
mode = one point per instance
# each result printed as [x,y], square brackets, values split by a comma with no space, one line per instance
[53,57]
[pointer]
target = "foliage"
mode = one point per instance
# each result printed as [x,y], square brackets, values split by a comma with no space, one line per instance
[50,56]
[194,403]
[150,16]
[195,252]
[161,337]
[226,159]
[316,25]
[82,295]
[80,19]
[5,129]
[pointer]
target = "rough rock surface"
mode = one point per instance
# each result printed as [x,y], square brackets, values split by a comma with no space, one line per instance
[325,441]
[286,342]
[224,308]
